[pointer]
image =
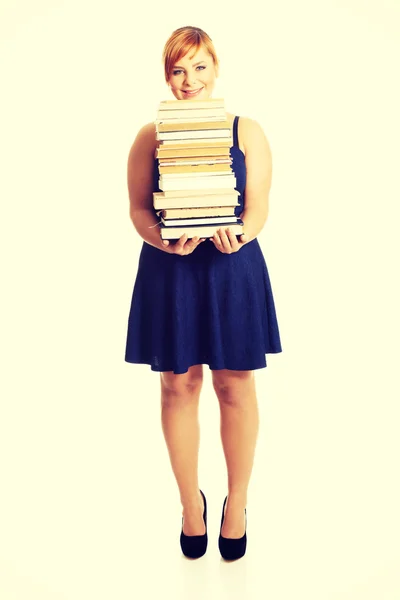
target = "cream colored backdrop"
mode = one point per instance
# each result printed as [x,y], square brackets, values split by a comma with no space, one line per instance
[89,507]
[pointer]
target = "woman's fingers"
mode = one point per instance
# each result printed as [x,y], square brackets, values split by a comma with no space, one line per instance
[225,240]
[194,242]
[182,241]
[186,246]
[233,241]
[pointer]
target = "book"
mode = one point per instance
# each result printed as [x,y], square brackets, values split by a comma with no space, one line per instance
[201,231]
[188,120]
[192,134]
[194,160]
[206,211]
[198,143]
[163,152]
[192,105]
[209,192]
[198,221]
[193,169]
[191,125]
[196,113]
[198,201]
[183,183]
[197,174]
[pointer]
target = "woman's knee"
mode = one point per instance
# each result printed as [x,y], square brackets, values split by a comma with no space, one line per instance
[183,383]
[226,381]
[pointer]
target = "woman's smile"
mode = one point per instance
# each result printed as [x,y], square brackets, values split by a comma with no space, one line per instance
[192,92]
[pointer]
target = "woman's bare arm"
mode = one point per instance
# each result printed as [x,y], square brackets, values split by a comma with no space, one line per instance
[140,186]
[258,179]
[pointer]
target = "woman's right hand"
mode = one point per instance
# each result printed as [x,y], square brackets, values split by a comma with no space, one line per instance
[183,246]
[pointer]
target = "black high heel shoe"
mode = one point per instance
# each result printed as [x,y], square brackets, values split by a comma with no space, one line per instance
[195,546]
[231,548]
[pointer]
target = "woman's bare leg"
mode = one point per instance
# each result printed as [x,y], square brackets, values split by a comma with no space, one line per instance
[239,429]
[180,424]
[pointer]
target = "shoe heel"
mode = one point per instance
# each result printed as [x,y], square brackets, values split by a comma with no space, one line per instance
[194,546]
[231,548]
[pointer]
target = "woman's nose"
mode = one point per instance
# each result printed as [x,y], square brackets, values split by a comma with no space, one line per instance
[190,79]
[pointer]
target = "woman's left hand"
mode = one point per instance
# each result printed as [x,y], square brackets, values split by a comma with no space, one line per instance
[225,241]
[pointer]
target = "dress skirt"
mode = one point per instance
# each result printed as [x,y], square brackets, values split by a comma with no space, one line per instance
[203,308]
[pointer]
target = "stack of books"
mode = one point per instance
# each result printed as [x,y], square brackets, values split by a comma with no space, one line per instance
[198,185]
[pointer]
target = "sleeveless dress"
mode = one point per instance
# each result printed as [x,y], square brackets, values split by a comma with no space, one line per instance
[206,307]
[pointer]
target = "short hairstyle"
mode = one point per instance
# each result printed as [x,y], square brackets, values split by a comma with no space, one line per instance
[181,41]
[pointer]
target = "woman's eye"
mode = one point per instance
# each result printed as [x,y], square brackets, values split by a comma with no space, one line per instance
[177,71]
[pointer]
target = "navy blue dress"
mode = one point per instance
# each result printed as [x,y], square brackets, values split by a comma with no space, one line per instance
[206,307]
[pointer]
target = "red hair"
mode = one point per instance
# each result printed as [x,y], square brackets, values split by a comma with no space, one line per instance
[180,42]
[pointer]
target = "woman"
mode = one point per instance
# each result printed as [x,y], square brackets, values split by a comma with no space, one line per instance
[204,301]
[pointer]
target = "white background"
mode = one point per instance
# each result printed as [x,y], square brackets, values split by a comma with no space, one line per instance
[89,507]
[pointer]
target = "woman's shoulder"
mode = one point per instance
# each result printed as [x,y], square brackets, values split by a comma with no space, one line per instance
[145,138]
[245,125]
[250,132]
[148,132]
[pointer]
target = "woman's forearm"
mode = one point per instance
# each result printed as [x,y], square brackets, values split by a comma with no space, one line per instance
[253,222]
[144,221]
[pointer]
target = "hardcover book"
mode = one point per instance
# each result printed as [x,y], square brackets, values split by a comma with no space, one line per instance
[202,231]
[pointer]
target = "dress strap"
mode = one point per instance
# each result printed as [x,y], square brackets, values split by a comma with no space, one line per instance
[235,131]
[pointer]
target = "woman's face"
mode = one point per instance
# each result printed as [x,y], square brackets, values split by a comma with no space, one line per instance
[195,73]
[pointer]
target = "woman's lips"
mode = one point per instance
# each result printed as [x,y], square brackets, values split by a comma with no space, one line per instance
[192,93]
